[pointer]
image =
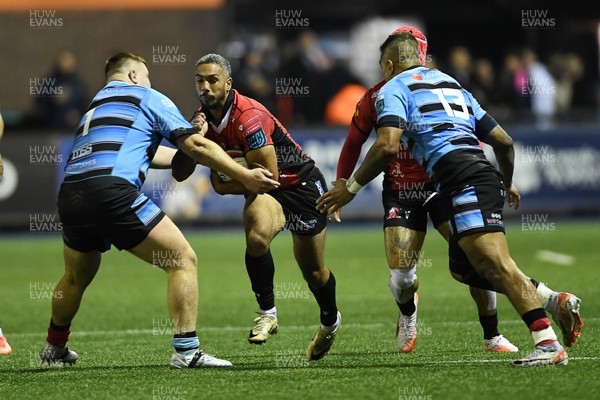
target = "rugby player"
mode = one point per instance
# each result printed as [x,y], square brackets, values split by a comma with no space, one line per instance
[408,196]
[441,123]
[100,203]
[246,129]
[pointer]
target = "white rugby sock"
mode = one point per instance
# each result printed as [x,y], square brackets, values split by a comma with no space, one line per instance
[542,335]
[332,328]
[401,279]
[549,298]
[491,300]
[272,311]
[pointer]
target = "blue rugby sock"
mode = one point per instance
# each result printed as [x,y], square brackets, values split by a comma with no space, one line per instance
[186,343]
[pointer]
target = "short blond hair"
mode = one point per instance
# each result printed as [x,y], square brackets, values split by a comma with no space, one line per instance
[116,62]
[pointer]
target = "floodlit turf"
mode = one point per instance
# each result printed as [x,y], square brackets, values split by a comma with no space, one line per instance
[122,331]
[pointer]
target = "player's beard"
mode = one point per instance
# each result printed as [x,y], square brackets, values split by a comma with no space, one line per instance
[209,103]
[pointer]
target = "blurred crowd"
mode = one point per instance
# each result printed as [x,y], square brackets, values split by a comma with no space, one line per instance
[524,89]
[307,81]
[59,98]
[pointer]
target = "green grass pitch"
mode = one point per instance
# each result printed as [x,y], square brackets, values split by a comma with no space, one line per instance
[122,331]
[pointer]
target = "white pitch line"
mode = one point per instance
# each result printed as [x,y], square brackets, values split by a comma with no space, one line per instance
[200,330]
[164,329]
[554,257]
[487,361]
[501,321]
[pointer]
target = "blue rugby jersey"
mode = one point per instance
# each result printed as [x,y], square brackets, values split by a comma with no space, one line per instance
[121,131]
[436,114]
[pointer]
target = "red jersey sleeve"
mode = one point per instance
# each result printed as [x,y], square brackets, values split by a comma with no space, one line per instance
[362,124]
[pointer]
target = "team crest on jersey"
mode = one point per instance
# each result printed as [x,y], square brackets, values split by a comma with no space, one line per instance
[257,139]
[167,103]
[379,105]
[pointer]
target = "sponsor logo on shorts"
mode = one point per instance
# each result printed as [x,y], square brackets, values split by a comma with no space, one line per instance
[395,213]
[319,188]
[495,219]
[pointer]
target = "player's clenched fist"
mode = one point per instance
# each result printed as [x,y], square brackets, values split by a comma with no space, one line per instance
[199,123]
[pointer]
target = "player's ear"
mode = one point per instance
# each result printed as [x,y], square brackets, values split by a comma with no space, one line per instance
[228,83]
[133,76]
[389,65]
[387,68]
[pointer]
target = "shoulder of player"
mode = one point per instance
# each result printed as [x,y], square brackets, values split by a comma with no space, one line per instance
[248,111]
[395,87]
[155,97]
[364,117]
[369,95]
[244,104]
[368,99]
[376,87]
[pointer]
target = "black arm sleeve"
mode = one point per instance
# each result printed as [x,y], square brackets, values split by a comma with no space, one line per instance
[391,121]
[484,126]
[175,134]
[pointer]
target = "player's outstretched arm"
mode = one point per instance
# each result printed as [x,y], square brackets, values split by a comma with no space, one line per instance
[350,152]
[207,152]
[353,146]
[380,154]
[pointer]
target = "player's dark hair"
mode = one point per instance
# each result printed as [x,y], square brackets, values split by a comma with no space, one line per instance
[117,61]
[216,59]
[403,47]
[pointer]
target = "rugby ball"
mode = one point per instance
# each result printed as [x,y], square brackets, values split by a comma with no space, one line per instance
[240,160]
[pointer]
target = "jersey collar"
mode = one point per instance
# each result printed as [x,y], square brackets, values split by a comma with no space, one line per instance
[223,123]
[412,68]
[227,106]
[117,83]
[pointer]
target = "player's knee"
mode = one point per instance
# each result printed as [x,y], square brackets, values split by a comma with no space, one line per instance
[78,280]
[403,278]
[191,260]
[257,243]
[316,278]
[181,261]
[474,280]
[464,272]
